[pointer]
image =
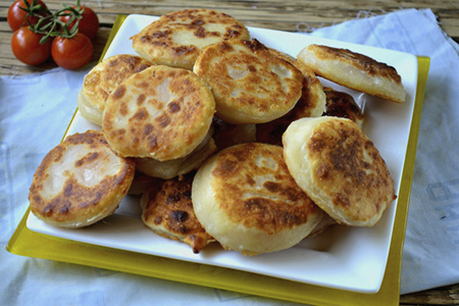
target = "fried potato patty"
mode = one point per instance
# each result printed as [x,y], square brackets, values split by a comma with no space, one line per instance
[339,168]
[246,199]
[80,181]
[176,38]
[162,113]
[250,84]
[354,70]
[102,80]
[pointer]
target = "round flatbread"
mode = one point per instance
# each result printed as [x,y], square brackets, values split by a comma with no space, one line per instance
[354,70]
[162,113]
[176,38]
[102,80]
[250,83]
[339,168]
[80,181]
[246,199]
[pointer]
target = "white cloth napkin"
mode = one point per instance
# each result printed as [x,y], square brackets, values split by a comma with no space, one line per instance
[35,109]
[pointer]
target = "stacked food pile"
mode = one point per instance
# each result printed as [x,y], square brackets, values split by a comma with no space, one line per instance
[231,141]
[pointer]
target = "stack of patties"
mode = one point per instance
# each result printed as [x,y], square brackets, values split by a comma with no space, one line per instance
[331,158]
[157,112]
[162,118]
[102,80]
[238,195]
[315,101]
[162,114]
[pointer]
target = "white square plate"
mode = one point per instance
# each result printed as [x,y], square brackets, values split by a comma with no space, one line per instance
[345,258]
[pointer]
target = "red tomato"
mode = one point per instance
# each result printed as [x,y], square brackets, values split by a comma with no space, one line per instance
[17,17]
[26,46]
[89,23]
[72,53]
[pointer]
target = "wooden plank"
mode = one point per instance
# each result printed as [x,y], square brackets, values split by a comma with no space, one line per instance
[448,295]
[282,15]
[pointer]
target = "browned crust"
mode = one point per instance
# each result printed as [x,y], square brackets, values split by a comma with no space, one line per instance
[271,132]
[156,40]
[108,74]
[76,202]
[341,104]
[261,92]
[272,206]
[348,168]
[169,212]
[174,130]
[360,61]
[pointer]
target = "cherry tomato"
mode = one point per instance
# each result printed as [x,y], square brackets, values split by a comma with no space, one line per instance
[89,23]
[26,46]
[18,17]
[72,53]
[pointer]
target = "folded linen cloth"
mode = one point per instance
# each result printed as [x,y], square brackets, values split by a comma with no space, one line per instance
[35,110]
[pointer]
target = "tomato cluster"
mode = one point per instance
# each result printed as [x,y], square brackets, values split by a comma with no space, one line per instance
[64,35]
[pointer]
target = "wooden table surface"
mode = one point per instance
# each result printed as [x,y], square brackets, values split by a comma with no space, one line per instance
[287,15]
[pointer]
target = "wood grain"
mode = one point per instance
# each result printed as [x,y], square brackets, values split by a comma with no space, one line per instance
[292,15]
[448,295]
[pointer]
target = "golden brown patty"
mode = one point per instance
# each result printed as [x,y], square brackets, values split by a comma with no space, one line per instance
[355,71]
[271,132]
[312,100]
[168,211]
[250,83]
[176,38]
[162,113]
[336,164]
[340,104]
[80,181]
[311,104]
[102,80]
[246,199]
